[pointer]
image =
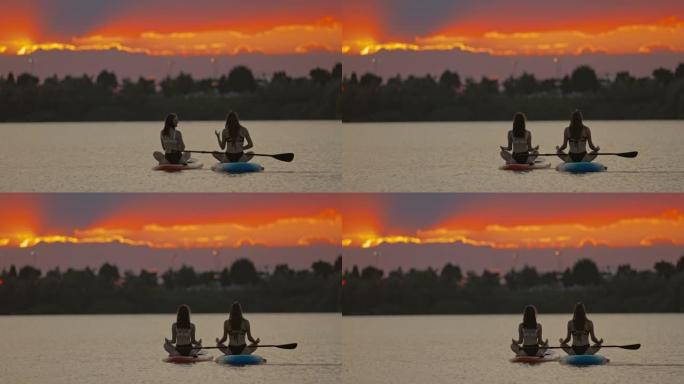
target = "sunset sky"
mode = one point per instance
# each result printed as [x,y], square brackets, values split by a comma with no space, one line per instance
[170,27]
[503,27]
[168,221]
[494,38]
[502,38]
[476,231]
[356,220]
[514,221]
[159,38]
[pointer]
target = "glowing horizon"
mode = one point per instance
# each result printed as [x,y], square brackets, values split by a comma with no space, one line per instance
[500,28]
[496,221]
[171,28]
[278,221]
[475,222]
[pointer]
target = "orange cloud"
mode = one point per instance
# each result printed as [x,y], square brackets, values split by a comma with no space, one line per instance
[666,227]
[173,29]
[282,232]
[168,221]
[535,39]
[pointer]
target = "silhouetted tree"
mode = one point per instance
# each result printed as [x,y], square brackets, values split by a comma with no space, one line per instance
[240,80]
[243,272]
[679,72]
[584,79]
[663,76]
[370,80]
[26,80]
[525,278]
[29,273]
[224,278]
[337,72]
[183,84]
[450,80]
[585,272]
[680,264]
[320,76]
[338,265]
[321,268]
[664,269]
[625,271]
[451,273]
[107,81]
[108,273]
[371,273]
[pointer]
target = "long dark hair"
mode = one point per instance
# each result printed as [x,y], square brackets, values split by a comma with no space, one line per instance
[169,123]
[579,316]
[235,317]
[233,125]
[530,317]
[576,125]
[183,317]
[519,124]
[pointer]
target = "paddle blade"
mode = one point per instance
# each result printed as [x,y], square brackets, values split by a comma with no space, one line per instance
[630,155]
[631,346]
[284,157]
[287,346]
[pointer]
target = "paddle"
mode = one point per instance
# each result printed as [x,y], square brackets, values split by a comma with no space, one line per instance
[629,155]
[288,157]
[281,346]
[632,347]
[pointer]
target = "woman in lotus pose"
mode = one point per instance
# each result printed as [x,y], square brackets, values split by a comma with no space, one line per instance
[519,149]
[580,329]
[183,341]
[172,143]
[232,140]
[530,341]
[235,329]
[577,136]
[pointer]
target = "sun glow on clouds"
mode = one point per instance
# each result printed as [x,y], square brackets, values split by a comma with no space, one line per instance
[666,228]
[283,39]
[667,35]
[324,228]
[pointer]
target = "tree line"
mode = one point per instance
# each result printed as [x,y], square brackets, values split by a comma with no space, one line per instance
[105,98]
[449,291]
[108,290]
[368,97]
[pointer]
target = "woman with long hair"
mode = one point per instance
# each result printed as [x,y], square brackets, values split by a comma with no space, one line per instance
[172,143]
[530,341]
[235,329]
[580,329]
[182,341]
[519,149]
[577,136]
[232,140]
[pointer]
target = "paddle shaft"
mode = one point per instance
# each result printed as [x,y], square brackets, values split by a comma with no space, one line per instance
[281,346]
[278,156]
[628,346]
[621,154]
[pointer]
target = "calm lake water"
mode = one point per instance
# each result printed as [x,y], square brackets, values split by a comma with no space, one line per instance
[464,157]
[475,349]
[117,157]
[128,349]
